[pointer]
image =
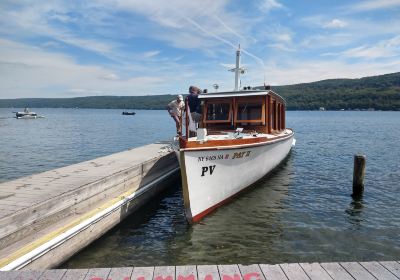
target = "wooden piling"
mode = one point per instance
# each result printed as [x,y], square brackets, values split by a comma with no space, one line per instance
[358,174]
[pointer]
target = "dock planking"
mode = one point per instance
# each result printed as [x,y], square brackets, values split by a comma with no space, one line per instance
[347,270]
[36,209]
[26,192]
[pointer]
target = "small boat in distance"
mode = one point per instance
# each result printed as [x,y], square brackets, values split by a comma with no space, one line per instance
[241,137]
[26,114]
[128,113]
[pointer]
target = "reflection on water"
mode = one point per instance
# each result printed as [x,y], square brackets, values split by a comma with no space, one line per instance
[355,213]
[244,229]
[303,212]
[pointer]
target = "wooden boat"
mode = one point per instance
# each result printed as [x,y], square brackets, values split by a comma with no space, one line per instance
[128,113]
[241,138]
[26,114]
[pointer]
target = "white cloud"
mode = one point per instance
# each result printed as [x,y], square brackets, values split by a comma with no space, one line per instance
[267,5]
[357,31]
[111,76]
[293,72]
[284,37]
[151,54]
[335,23]
[383,49]
[30,21]
[282,47]
[27,71]
[375,5]
[51,44]
[85,92]
[202,25]
[190,36]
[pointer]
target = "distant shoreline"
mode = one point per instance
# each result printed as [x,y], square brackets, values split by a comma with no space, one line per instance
[369,93]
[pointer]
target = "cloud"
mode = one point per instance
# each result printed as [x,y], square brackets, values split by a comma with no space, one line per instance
[27,71]
[277,37]
[335,23]
[84,92]
[111,76]
[356,31]
[375,5]
[51,44]
[151,54]
[294,71]
[45,19]
[267,5]
[384,49]
[203,25]
[129,47]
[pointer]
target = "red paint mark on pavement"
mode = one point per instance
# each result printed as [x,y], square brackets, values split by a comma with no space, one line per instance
[162,278]
[101,278]
[190,277]
[208,277]
[249,275]
[229,277]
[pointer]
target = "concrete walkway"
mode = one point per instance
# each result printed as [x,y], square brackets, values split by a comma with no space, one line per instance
[388,270]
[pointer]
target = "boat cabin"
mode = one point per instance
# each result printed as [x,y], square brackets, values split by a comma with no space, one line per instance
[254,111]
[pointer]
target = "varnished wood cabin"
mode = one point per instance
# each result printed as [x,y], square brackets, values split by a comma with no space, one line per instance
[260,111]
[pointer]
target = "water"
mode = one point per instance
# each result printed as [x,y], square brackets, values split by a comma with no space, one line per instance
[303,212]
[67,136]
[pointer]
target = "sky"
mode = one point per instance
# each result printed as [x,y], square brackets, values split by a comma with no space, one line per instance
[145,47]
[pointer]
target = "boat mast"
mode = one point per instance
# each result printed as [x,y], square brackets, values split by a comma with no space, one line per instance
[238,70]
[237,74]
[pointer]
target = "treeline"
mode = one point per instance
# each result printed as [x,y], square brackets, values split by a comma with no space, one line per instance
[378,92]
[151,102]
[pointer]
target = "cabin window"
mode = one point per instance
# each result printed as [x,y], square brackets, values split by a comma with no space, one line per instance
[273,115]
[249,111]
[279,116]
[218,112]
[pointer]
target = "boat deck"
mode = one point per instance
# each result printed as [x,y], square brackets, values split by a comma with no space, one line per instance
[385,270]
[231,135]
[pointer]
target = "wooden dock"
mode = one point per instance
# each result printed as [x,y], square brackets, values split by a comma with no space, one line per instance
[386,270]
[67,208]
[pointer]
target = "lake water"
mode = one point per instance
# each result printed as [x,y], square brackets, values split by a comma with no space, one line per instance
[302,212]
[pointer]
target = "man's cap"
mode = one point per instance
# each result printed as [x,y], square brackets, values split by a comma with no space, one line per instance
[180,97]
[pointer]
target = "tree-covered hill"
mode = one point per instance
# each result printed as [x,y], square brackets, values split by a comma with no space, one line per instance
[149,102]
[378,92]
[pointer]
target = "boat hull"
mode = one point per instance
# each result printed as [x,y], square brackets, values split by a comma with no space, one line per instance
[211,176]
[27,117]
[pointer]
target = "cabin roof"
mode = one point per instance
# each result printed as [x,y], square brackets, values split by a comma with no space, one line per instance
[242,93]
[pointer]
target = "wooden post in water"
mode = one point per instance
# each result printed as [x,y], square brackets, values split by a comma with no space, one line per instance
[358,174]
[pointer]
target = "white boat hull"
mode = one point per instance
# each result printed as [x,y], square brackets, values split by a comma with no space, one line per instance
[27,117]
[212,176]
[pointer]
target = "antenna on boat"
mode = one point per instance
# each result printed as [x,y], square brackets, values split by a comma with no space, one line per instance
[216,86]
[238,70]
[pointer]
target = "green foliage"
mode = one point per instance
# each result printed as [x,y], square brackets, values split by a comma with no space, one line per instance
[378,92]
[150,102]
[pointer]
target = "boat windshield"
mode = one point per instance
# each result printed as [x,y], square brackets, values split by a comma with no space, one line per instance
[218,111]
[249,111]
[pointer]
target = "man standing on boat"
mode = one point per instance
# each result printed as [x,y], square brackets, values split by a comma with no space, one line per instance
[175,108]
[194,109]
[194,103]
